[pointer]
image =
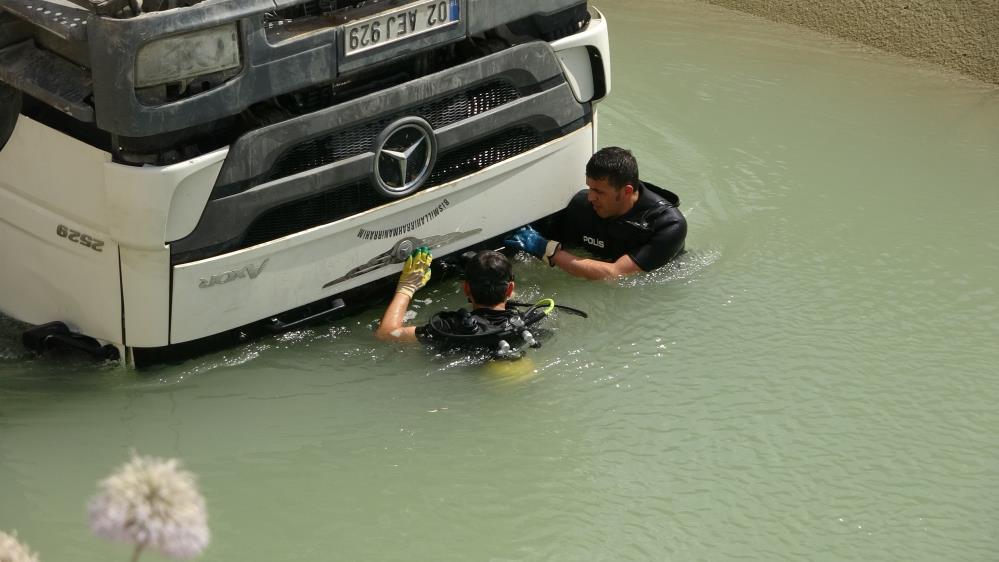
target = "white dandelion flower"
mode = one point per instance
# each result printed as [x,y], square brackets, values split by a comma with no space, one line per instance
[13,551]
[151,502]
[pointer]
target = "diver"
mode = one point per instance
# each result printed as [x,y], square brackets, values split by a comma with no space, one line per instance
[630,225]
[494,326]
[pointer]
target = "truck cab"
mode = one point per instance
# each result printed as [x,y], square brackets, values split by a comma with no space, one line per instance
[173,170]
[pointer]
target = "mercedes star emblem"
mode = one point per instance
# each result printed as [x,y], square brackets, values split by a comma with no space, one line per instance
[404,155]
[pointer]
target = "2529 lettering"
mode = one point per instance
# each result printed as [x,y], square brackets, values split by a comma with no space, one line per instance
[80,238]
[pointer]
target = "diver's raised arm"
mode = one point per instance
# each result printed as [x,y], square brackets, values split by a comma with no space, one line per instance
[415,274]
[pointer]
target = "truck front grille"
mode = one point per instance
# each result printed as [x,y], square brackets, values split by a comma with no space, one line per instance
[359,139]
[317,168]
[356,197]
[314,8]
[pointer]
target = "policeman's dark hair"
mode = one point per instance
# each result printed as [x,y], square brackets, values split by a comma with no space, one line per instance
[488,273]
[615,165]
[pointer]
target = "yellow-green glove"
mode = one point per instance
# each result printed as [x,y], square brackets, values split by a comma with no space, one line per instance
[415,272]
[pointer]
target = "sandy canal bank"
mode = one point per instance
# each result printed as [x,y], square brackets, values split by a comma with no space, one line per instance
[960,34]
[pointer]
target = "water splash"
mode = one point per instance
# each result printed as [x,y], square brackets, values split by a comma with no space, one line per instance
[683,268]
[11,348]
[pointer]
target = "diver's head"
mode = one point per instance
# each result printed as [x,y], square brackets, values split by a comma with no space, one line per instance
[612,177]
[488,278]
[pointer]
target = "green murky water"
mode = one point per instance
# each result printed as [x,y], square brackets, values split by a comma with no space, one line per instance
[816,380]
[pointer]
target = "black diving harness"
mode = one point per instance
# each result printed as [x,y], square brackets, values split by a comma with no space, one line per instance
[495,337]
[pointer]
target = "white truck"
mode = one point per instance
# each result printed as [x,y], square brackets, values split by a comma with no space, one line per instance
[173,171]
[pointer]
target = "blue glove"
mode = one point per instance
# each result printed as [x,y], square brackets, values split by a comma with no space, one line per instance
[531,241]
[527,239]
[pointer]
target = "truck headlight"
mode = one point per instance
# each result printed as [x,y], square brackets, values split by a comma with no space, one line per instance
[187,55]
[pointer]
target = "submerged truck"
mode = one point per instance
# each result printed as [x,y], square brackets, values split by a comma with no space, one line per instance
[175,170]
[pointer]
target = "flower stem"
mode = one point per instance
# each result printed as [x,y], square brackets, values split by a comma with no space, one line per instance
[136,552]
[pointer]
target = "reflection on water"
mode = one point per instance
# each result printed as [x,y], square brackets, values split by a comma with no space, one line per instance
[813,379]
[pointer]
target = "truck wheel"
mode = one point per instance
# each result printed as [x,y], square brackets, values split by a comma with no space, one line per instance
[10,108]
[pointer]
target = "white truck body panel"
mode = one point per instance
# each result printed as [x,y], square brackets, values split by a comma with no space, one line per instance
[294,269]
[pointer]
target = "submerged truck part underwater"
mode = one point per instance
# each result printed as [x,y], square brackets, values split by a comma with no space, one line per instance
[176,170]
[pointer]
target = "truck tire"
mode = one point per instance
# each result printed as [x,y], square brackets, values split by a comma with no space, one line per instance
[10,108]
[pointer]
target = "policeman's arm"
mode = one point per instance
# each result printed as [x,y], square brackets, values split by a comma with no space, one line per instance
[391,328]
[594,269]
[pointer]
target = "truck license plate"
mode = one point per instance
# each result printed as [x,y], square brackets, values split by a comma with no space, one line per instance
[398,24]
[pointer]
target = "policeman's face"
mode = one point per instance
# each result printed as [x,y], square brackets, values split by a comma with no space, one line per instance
[607,201]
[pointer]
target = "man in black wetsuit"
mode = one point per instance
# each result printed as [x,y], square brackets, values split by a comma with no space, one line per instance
[488,284]
[630,225]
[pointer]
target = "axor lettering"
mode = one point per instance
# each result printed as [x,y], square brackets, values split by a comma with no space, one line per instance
[251,271]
